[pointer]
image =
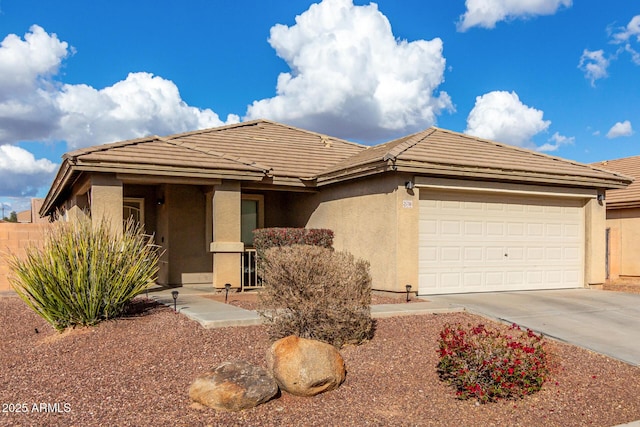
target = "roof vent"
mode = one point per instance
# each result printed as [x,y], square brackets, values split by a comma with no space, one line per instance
[325,141]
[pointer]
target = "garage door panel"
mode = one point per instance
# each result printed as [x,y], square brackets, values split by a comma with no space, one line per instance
[571,231]
[535,278]
[450,280]
[450,228]
[535,229]
[494,254]
[515,254]
[495,229]
[515,229]
[494,280]
[473,280]
[496,242]
[448,254]
[474,254]
[554,277]
[473,228]
[535,254]
[571,254]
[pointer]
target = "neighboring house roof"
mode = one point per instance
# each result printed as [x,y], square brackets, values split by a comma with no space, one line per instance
[24,216]
[624,197]
[274,153]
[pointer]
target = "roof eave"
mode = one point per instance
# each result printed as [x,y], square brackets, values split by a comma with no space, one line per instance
[354,172]
[60,182]
[628,204]
[510,175]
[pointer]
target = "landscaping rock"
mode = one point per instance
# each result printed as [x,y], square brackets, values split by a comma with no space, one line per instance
[234,386]
[305,367]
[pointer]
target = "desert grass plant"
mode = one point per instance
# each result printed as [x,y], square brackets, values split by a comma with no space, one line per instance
[489,364]
[314,292]
[84,273]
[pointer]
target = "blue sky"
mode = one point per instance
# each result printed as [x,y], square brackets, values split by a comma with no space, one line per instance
[556,76]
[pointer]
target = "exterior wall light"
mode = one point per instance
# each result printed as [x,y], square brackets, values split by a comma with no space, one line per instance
[601,197]
[409,185]
[408,287]
[174,294]
[226,289]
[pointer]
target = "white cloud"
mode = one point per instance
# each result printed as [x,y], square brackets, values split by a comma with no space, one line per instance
[620,129]
[501,116]
[594,65]
[27,110]
[351,77]
[140,105]
[631,30]
[36,107]
[555,142]
[24,64]
[626,35]
[486,13]
[21,174]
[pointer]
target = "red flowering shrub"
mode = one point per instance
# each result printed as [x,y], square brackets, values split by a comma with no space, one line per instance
[487,364]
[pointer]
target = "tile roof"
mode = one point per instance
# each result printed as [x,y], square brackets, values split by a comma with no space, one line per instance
[258,146]
[624,197]
[279,154]
[439,151]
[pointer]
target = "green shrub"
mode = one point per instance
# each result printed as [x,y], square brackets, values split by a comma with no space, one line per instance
[84,274]
[314,292]
[487,364]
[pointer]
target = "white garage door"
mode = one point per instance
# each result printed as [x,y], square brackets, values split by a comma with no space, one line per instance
[480,242]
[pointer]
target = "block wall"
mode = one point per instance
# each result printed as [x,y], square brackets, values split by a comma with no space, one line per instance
[14,238]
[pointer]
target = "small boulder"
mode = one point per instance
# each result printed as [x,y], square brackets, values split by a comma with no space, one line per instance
[305,367]
[234,386]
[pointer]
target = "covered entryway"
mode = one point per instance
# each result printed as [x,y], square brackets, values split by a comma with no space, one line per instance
[484,241]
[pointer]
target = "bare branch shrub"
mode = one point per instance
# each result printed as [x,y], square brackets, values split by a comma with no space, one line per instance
[314,292]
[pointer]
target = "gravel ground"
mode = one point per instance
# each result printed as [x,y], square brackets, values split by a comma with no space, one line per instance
[249,300]
[136,371]
[631,288]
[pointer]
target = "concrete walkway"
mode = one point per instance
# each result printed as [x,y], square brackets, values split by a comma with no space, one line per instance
[606,322]
[602,321]
[214,314]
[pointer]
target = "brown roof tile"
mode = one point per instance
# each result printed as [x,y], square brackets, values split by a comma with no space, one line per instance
[261,146]
[437,149]
[292,156]
[624,197]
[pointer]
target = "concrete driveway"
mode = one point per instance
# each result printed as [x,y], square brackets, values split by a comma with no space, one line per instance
[603,321]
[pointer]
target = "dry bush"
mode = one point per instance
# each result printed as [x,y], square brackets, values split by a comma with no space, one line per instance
[315,293]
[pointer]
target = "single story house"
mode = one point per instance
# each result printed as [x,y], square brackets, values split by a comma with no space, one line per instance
[438,210]
[623,222]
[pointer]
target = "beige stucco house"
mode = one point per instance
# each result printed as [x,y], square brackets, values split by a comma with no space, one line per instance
[623,222]
[441,211]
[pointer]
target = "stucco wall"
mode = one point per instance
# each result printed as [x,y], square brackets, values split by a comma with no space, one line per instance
[595,244]
[182,232]
[106,200]
[374,219]
[14,238]
[624,243]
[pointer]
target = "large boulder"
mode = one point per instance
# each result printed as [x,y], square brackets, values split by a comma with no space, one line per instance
[234,386]
[305,367]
